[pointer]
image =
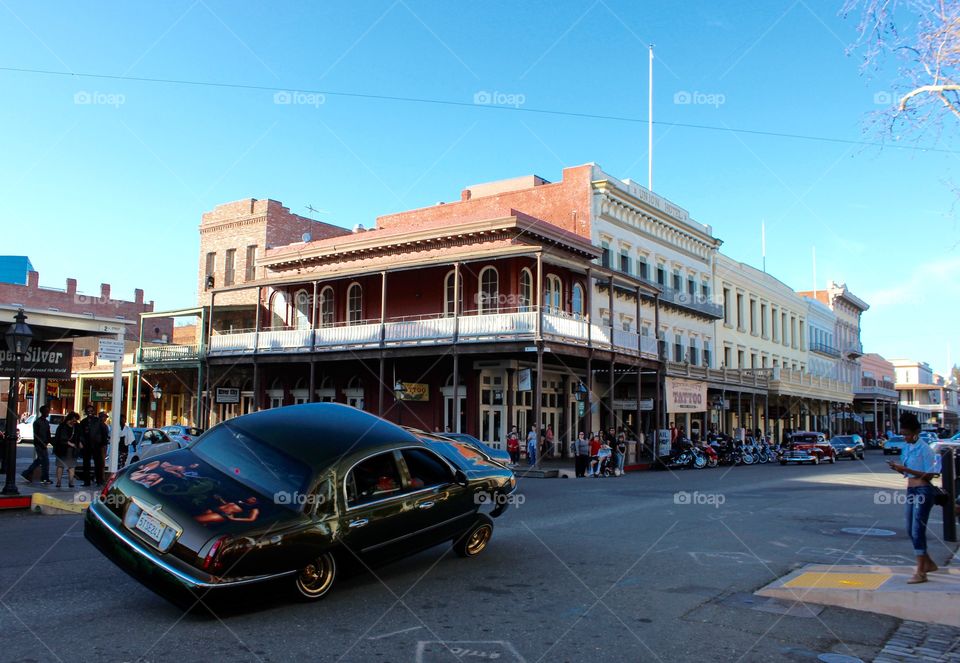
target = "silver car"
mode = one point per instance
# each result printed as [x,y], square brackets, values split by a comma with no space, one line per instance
[184,434]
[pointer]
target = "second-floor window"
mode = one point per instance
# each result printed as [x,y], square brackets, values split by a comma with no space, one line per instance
[642,269]
[228,267]
[211,269]
[676,280]
[577,300]
[691,287]
[526,289]
[354,304]
[677,348]
[327,310]
[489,290]
[624,262]
[251,267]
[552,294]
[706,354]
[449,305]
[661,275]
[301,304]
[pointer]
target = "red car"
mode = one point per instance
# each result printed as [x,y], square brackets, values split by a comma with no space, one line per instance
[807,447]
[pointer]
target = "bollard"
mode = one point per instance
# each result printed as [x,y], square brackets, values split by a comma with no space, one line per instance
[948,480]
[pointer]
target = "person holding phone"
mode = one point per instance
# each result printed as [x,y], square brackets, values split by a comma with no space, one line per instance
[919,464]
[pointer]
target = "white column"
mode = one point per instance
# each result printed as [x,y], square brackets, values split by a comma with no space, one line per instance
[117,409]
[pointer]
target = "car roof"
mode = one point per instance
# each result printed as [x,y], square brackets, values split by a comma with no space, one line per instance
[320,433]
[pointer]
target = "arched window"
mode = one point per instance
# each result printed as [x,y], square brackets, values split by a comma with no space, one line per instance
[553,294]
[448,286]
[278,309]
[526,289]
[302,305]
[354,304]
[327,310]
[489,290]
[577,301]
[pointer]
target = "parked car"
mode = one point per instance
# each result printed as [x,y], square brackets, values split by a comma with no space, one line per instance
[894,445]
[286,495]
[848,446]
[185,434]
[148,442]
[25,428]
[808,447]
[929,436]
[499,455]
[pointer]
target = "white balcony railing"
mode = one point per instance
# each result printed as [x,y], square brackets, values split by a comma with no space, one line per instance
[487,327]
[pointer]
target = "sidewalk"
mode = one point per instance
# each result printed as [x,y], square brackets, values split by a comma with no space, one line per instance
[880,589]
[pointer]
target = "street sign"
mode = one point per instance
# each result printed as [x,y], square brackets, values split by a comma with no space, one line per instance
[110,349]
[101,395]
[646,405]
[227,395]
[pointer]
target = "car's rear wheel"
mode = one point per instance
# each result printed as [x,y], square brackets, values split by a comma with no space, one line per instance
[316,579]
[474,541]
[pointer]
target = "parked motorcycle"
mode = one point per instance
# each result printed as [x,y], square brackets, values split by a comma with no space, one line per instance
[687,456]
[713,459]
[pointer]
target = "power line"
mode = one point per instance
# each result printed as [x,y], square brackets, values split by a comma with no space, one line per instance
[448,102]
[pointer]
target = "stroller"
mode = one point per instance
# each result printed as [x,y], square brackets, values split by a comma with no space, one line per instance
[605,464]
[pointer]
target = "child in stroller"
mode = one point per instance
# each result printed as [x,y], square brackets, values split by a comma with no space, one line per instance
[603,466]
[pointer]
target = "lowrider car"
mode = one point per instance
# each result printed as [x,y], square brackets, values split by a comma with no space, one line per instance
[287,495]
[848,446]
[806,447]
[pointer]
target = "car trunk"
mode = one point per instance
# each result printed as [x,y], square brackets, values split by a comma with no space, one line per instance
[207,505]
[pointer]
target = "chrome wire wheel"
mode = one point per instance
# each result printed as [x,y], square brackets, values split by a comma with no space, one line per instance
[316,578]
[478,539]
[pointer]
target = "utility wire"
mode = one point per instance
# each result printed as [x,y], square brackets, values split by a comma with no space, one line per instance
[448,102]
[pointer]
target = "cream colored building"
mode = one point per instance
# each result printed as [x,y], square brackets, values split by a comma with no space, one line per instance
[765,330]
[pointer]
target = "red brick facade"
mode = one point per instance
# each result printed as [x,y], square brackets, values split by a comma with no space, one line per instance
[263,224]
[103,305]
[565,204]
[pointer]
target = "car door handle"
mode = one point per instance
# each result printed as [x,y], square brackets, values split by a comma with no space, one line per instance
[425,505]
[362,522]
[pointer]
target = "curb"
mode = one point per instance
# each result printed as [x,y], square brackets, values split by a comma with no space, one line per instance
[51,506]
[18,502]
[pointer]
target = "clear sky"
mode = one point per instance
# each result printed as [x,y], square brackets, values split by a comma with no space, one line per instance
[105,179]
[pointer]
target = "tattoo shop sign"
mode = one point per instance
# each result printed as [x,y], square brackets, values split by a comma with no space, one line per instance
[686,396]
[45,359]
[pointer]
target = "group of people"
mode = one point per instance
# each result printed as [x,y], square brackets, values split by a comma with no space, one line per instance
[535,445]
[592,456]
[84,439]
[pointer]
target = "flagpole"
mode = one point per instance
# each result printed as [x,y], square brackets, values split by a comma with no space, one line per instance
[650,126]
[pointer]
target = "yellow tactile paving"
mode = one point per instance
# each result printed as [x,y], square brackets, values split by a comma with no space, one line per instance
[811,580]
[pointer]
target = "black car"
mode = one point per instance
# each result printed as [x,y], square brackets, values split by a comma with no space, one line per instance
[288,494]
[848,446]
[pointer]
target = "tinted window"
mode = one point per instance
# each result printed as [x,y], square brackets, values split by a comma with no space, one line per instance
[425,469]
[253,463]
[374,478]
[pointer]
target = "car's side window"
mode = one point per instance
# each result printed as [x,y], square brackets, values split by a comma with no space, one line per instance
[373,478]
[426,469]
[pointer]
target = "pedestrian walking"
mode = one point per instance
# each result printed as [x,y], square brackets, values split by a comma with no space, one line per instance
[920,465]
[581,451]
[126,441]
[65,447]
[513,445]
[41,438]
[532,445]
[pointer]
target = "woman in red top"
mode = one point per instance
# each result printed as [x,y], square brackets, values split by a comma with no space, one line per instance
[594,451]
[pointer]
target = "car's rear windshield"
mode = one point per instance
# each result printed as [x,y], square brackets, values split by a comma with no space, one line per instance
[252,462]
[846,439]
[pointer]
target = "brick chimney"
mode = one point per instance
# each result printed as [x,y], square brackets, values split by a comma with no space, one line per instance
[33,279]
[138,296]
[105,291]
[71,287]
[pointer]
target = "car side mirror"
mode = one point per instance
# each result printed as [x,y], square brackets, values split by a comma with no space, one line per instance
[460,478]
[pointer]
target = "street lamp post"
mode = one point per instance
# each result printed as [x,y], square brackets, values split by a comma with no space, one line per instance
[19,336]
[398,391]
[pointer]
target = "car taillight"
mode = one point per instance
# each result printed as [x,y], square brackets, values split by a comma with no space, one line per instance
[186,438]
[212,561]
[107,486]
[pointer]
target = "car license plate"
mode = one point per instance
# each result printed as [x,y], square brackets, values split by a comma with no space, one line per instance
[150,526]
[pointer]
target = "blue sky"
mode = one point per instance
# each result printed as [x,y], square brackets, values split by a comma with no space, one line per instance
[112,190]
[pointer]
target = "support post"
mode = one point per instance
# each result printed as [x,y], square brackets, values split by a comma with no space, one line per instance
[456,337]
[456,393]
[538,399]
[116,409]
[948,479]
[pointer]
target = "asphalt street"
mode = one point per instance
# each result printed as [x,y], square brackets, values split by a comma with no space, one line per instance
[653,566]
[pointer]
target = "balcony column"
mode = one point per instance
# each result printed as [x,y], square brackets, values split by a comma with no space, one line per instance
[539,334]
[753,408]
[875,417]
[383,338]
[766,413]
[589,308]
[206,396]
[256,320]
[613,361]
[380,389]
[538,399]
[313,327]
[588,399]
[256,385]
[136,399]
[456,358]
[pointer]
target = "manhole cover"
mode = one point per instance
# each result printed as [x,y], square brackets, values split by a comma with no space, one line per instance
[868,531]
[838,658]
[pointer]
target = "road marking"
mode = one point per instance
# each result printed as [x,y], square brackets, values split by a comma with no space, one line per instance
[389,635]
[813,580]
